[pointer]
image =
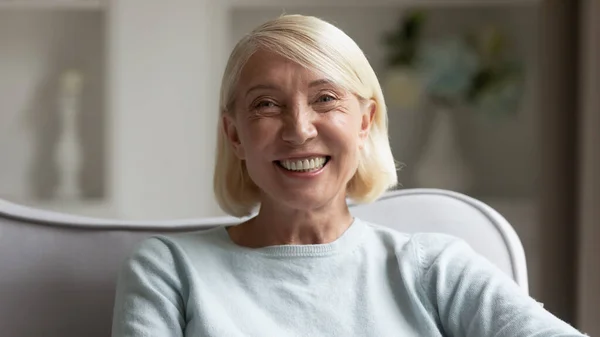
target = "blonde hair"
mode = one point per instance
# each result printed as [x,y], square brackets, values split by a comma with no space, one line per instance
[320,46]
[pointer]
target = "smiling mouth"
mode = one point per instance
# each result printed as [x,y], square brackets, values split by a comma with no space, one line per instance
[304,165]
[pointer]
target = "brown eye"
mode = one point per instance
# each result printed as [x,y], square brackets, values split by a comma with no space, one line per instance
[265,104]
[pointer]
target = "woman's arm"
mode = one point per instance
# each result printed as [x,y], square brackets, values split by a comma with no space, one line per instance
[473,298]
[148,298]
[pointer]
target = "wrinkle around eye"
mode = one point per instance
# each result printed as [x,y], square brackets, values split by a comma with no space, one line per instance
[262,102]
[257,113]
[337,104]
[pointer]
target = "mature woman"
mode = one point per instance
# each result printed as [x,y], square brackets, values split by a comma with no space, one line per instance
[303,127]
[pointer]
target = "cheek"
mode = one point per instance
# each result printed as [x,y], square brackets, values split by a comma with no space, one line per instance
[255,136]
[345,128]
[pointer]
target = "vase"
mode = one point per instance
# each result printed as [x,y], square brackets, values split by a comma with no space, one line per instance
[68,148]
[441,165]
[409,121]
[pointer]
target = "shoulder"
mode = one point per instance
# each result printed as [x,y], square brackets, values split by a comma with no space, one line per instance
[442,260]
[423,251]
[174,250]
[152,254]
[426,245]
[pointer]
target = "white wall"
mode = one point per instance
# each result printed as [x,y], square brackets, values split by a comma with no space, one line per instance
[164,57]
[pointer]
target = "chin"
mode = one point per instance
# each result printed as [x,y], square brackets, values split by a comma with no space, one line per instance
[302,200]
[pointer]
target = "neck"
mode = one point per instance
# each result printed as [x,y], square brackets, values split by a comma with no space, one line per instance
[277,224]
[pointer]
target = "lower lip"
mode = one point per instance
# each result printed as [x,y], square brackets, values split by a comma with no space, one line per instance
[296,174]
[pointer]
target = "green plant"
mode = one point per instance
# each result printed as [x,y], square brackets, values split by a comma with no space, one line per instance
[494,69]
[469,69]
[403,42]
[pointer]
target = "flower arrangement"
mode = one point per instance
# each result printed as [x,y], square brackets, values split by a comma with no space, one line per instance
[471,70]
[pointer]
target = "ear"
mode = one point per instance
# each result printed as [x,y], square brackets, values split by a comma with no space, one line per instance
[366,121]
[231,133]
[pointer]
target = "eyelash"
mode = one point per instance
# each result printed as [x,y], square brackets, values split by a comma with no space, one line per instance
[263,103]
[333,98]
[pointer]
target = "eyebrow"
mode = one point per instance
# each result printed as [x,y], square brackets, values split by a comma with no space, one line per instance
[275,87]
[261,87]
[319,82]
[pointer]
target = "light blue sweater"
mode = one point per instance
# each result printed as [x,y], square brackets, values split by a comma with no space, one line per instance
[372,281]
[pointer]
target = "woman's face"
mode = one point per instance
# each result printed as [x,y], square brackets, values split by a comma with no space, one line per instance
[299,134]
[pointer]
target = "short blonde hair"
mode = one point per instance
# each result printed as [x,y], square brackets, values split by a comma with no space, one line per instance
[320,46]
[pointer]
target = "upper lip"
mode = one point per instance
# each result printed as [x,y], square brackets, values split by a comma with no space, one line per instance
[299,156]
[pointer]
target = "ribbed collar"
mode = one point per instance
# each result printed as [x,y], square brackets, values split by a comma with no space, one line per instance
[346,242]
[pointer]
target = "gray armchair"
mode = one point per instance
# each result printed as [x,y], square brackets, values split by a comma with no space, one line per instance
[58,272]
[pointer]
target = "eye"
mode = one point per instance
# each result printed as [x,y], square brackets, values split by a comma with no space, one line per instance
[325,98]
[264,104]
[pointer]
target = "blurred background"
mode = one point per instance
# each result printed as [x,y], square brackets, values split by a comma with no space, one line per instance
[108,109]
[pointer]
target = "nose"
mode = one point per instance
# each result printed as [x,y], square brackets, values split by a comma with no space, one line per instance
[299,125]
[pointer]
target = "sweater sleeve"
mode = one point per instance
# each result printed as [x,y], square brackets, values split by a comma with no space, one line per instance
[148,299]
[473,298]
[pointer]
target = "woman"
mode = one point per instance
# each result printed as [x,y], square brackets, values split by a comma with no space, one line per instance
[303,126]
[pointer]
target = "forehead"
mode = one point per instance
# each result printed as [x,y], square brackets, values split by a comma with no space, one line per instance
[268,67]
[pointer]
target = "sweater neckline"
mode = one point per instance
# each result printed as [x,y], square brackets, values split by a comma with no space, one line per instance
[346,242]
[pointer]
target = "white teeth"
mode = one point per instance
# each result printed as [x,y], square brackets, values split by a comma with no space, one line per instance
[303,165]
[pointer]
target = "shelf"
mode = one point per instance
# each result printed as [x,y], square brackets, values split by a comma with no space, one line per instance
[377,3]
[53,4]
